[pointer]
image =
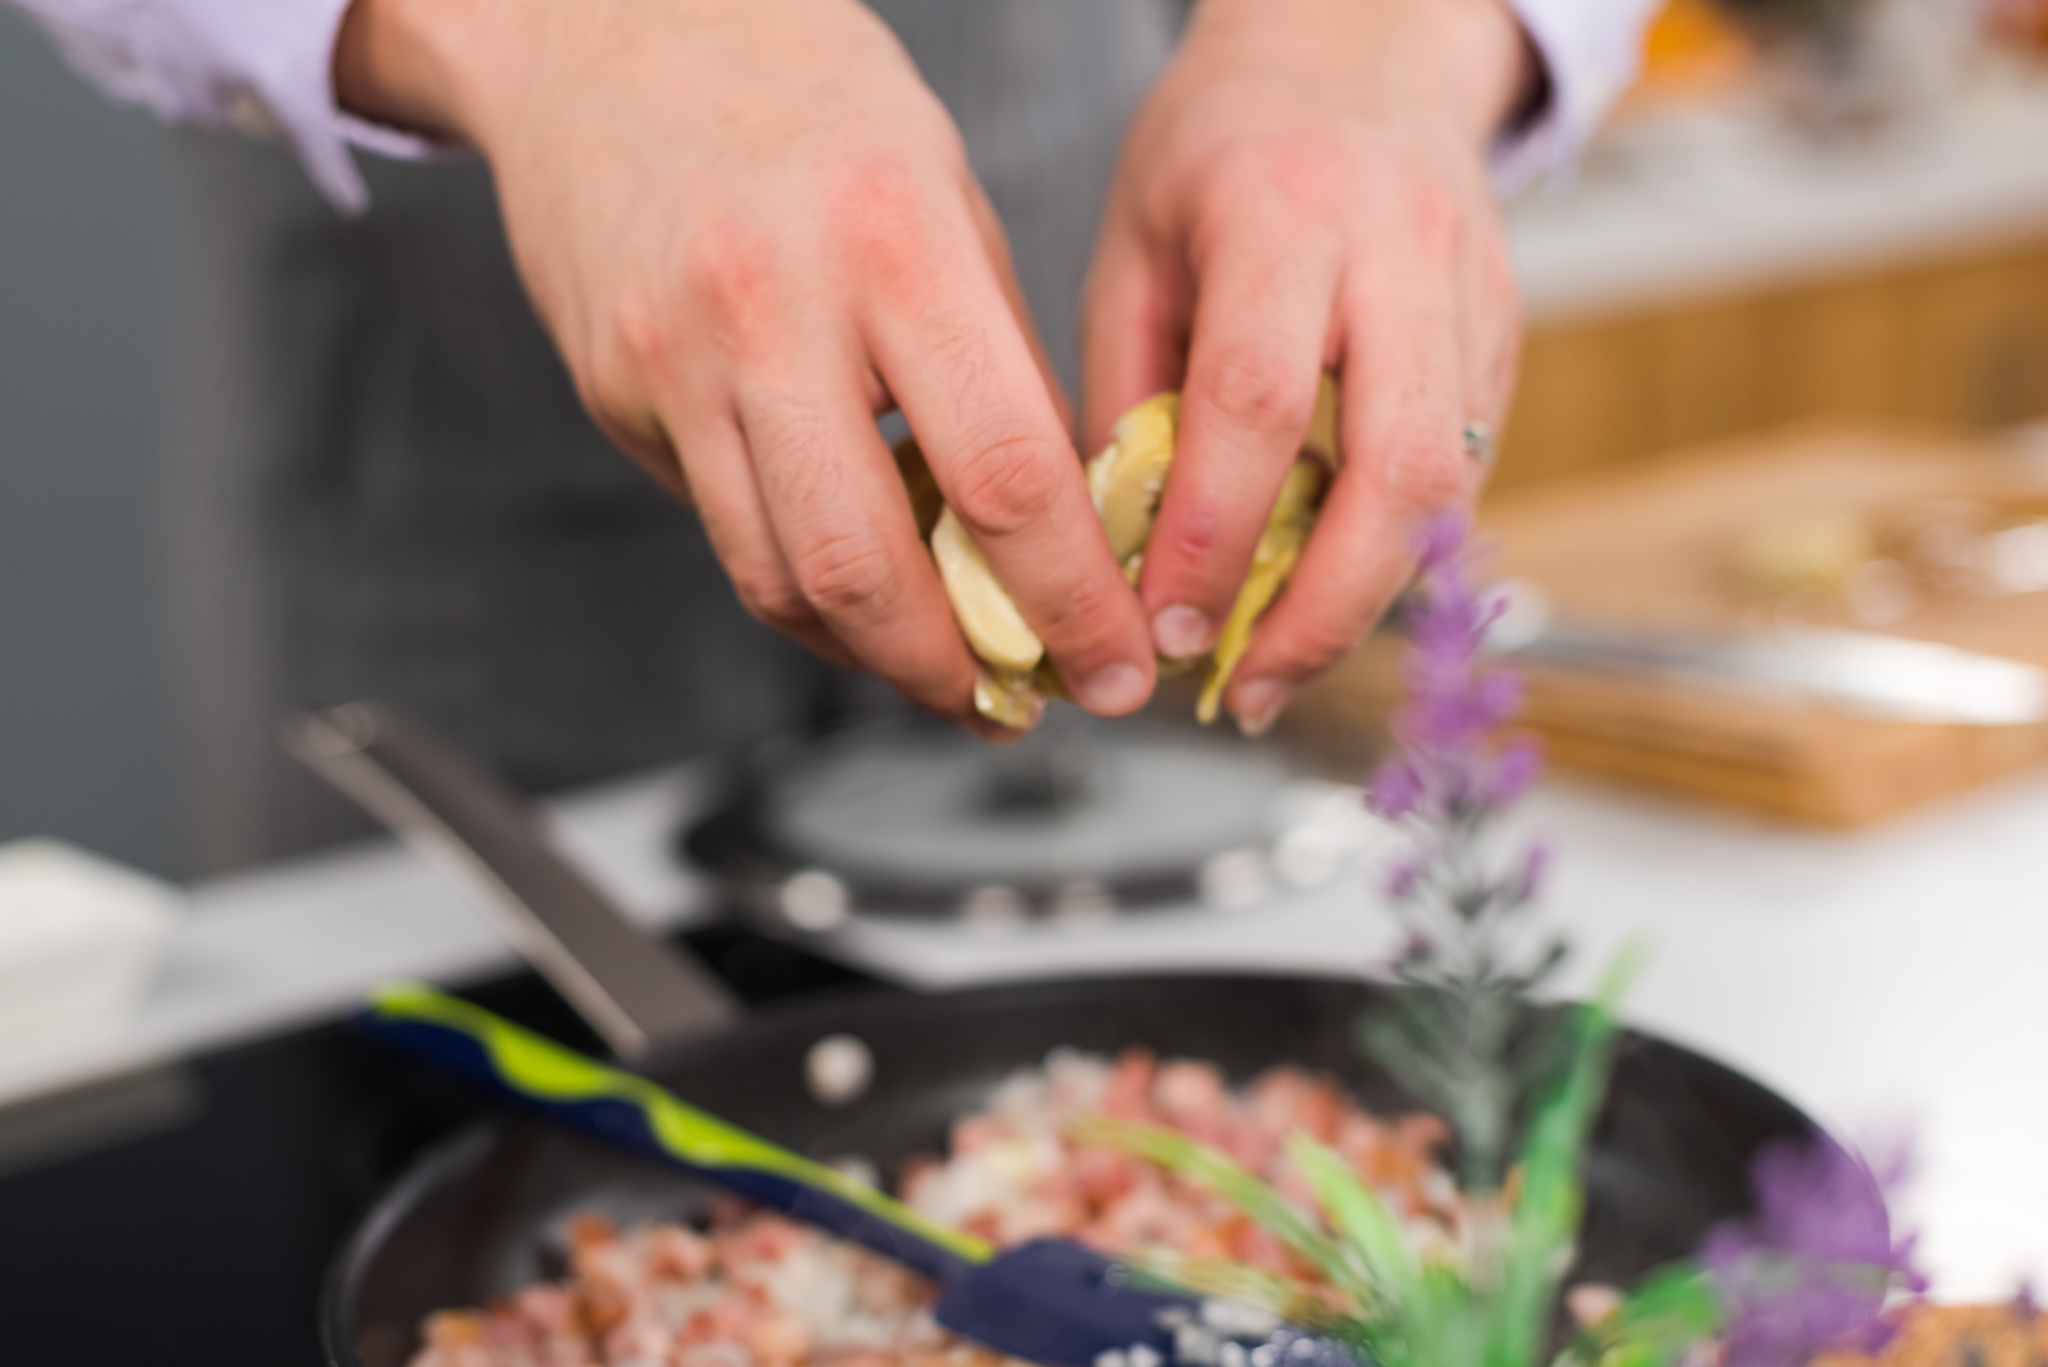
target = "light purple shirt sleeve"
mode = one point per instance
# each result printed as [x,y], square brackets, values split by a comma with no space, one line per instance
[1591,50]
[266,67]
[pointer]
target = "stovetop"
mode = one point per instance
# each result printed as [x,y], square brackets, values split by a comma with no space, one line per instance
[187,1215]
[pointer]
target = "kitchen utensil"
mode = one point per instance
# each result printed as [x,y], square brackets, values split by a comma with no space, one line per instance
[1887,678]
[480,833]
[482,1213]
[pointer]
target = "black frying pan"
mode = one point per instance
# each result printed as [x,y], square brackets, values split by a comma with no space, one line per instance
[483,1213]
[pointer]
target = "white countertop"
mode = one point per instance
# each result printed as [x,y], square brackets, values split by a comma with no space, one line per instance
[1893,976]
[1718,198]
[298,942]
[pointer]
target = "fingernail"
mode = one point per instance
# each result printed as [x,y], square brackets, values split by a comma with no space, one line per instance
[1180,632]
[1259,703]
[1114,689]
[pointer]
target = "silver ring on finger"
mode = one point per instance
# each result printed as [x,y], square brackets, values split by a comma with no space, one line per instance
[1477,441]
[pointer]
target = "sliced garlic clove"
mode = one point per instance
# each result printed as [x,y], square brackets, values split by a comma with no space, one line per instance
[1008,699]
[994,628]
[1127,479]
[1287,529]
[1047,683]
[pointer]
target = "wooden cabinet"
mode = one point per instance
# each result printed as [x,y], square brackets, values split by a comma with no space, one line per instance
[1961,341]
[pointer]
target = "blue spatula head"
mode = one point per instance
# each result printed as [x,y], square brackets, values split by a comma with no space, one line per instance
[1056,1302]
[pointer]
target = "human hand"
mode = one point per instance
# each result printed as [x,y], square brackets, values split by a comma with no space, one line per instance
[1306,190]
[751,229]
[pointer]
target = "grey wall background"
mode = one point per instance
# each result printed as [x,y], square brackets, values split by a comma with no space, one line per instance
[84,748]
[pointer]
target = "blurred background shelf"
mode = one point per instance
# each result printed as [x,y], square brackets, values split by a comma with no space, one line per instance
[1715,273]
[1959,340]
[1838,499]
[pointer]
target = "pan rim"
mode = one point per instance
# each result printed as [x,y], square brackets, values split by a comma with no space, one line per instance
[439,1161]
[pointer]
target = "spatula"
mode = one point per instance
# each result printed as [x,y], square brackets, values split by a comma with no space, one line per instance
[1049,1301]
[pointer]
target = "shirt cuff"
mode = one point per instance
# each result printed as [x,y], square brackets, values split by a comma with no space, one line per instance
[262,67]
[1590,50]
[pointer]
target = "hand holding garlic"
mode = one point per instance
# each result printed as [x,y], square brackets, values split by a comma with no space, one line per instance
[1126,482]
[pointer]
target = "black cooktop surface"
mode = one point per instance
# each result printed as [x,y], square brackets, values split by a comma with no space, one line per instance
[186,1215]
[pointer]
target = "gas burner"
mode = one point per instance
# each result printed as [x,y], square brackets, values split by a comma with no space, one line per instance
[1081,821]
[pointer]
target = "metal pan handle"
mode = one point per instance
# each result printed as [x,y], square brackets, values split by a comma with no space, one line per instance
[639,993]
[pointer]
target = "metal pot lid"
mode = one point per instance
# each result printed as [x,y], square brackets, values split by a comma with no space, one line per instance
[1099,803]
[1082,818]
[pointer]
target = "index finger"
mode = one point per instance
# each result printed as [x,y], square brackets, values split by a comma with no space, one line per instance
[963,374]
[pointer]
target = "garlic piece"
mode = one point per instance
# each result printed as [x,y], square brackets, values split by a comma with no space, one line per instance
[1287,529]
[1128,478]
[994,628]
[1008,698]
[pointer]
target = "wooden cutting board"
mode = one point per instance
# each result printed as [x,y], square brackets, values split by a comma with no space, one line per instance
[1661,545]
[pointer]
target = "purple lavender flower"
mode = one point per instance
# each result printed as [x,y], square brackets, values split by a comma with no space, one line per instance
[1445,765]
[1514,770]
[1401,881]
[1396,790]
[1527,882]
[1810,1272]
[1468,957]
